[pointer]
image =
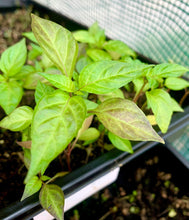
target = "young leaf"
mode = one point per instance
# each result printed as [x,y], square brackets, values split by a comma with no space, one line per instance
[160,102]
[52,199]
[84,37]
[13,58]
[24,72]
[33,186]
[30,36]
[18,120]
[174,83]
[169,70]
[82,62]
[90,105]
[105,76]
[118,49]
[11,94]
[55,123]
[60,81]
[89,134]
[98,55]
[120,143]
[34,52]
[123,118]
[57,42]
[98,34]
[42,90]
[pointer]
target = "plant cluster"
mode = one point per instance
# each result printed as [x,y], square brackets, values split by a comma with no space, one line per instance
[77,78]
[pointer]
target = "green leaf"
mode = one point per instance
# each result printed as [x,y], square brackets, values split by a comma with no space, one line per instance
[118,49]
[105,76]
[11,95]
[57,42]
[161,105]
[90,104]
[60,81]
[175,106]
[33,186]
[30,36]
[18,120]
[169,70]
[42,90]
[115,94]
[45,178]
[174,83]
[89,134]
[2,78]
[55,123]
[120,143]
[13,58]
[82,62]
[51,198]
[123,118]
[24,72]
[34,52]
[98,34]
[84,37]
[98,55]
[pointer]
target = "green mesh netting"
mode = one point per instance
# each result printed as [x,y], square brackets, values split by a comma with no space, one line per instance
[157,29]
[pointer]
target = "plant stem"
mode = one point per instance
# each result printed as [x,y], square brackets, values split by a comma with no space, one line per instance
[135,99]
[184,97]
[68,153]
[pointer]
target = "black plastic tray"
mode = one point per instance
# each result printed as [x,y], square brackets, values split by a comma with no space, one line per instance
[168,162]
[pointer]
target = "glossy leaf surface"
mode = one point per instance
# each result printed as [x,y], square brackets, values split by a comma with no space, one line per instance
[18,120]
[120,143]
[13,58]
[11,95]
[89,134]
[123,118]
[169,70]
[60,81]
[57,42]
[160,102]
[105,76]
[174,83]
[42,90]
[118,48]
[98,55]
[33,186]
[51,198]
[55,124]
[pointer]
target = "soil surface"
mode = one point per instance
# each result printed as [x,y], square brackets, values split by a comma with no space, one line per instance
[147,192]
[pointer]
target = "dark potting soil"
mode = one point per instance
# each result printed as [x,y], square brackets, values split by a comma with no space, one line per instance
[145,191]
